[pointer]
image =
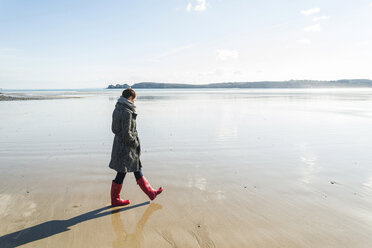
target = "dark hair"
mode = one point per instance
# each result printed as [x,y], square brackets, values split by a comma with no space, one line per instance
[129,92]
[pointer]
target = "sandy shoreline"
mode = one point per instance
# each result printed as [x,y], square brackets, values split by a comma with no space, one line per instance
[25,97]
[200,210]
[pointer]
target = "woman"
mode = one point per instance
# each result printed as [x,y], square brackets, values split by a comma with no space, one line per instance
[126,150]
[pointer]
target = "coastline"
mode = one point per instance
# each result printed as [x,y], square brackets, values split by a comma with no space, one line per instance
[25,97]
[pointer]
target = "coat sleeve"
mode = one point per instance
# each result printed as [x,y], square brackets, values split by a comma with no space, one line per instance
[126,128]
[116,123]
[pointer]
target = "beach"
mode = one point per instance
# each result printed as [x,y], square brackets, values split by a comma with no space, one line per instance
[29,95]
[239,167]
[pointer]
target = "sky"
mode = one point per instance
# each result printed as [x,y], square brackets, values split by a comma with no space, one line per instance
[90,44]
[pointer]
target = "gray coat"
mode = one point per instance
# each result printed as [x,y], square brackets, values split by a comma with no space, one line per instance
[126,149]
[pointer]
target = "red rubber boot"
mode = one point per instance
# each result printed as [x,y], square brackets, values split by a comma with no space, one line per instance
[115,195]
[147,189]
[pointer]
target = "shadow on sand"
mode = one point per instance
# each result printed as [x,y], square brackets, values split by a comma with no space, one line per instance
[53,227]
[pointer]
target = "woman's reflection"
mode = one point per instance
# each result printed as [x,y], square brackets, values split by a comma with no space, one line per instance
[136,239]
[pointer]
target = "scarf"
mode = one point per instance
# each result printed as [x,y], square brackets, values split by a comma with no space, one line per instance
[127,103]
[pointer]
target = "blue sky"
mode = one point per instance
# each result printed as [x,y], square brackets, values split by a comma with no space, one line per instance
[86,44]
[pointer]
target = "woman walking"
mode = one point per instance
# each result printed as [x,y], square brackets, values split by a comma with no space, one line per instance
[126,150]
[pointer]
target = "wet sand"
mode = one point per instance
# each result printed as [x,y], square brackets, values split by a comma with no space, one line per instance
[250,194]
[197,209]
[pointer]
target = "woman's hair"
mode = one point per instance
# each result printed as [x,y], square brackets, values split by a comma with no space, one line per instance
[129,92]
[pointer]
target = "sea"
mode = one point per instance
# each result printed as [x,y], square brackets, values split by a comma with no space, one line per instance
[319,135]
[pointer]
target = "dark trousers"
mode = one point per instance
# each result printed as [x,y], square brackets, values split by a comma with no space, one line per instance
[119,179]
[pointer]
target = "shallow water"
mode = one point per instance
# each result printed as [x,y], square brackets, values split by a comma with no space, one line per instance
[286,144]
[314,131]
[309,129]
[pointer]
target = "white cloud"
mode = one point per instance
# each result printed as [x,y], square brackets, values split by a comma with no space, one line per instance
[370,4]
[201,6]
[304,41]
[310,11]
[224,54]
[175,50]
[314,28]
[7,50]
[320,18]
[170,52]
[189,6]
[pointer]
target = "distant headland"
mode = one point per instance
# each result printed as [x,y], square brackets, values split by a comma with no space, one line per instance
[259,84]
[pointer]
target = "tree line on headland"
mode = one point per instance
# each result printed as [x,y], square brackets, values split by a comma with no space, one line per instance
[260,84]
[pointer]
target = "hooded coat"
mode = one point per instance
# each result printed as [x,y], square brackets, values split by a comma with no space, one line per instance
[126,149]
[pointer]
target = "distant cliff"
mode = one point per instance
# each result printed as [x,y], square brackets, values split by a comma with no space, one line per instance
[260,84]
[118,86]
